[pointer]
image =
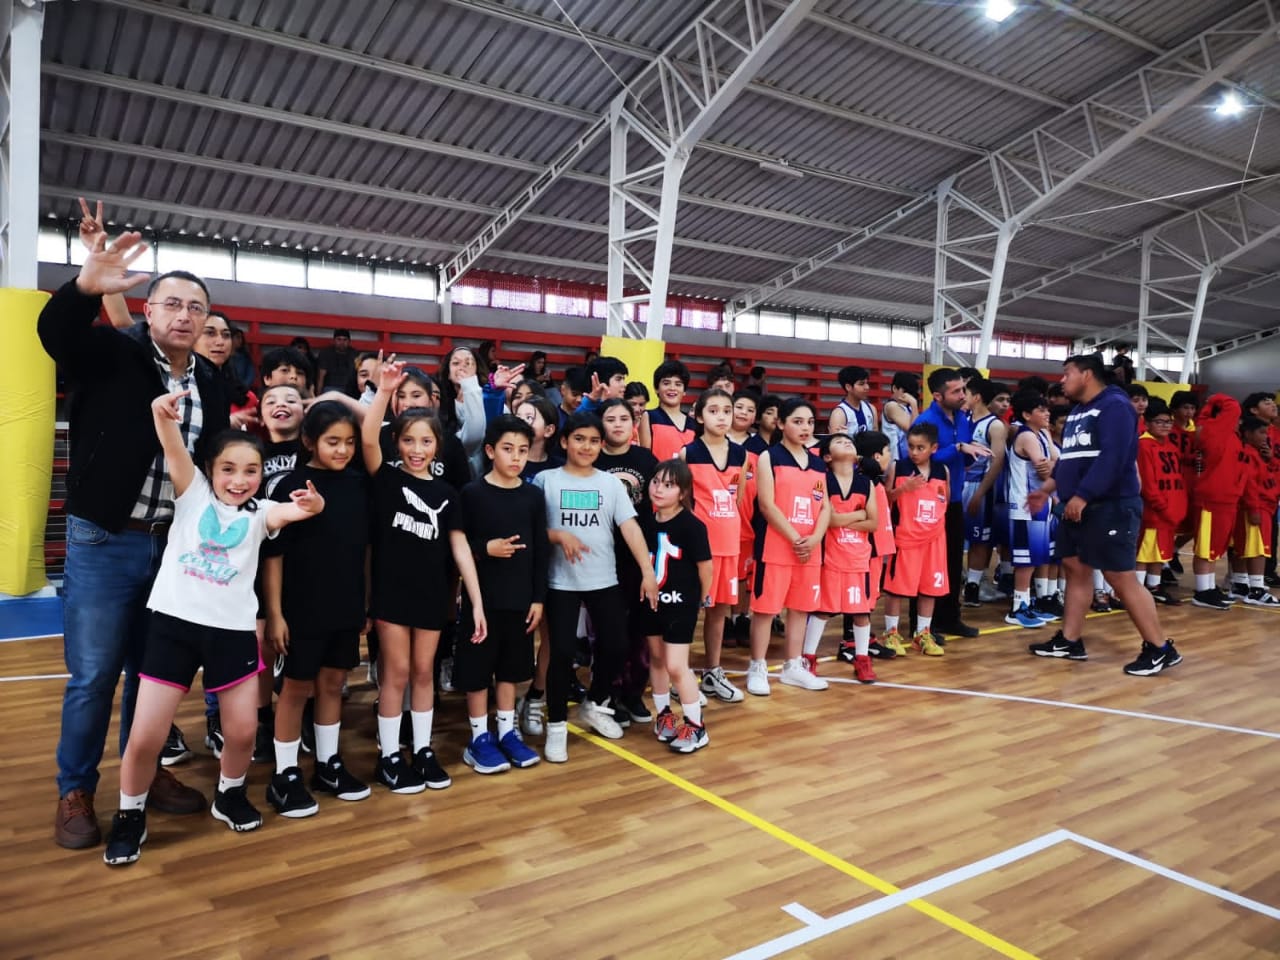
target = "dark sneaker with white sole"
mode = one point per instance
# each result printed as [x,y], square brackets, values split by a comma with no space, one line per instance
[289,797]
[233,808]
[1060,647]
[334,777]
[1152,660]
[425,762]
[128,834]
[398,776]
[175,749]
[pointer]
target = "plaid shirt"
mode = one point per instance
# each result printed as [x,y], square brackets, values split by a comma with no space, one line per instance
[155,500]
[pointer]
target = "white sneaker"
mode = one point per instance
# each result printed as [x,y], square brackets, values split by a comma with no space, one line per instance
[796,674]
[599,717]
[758,678]
[556,748]
[717,684]
[533,714]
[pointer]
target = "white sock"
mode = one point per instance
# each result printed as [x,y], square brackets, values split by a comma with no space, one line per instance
[1142,577]
[861,639]
[1153,579]
[1020,597]
[1042,587]
[693,711]
[479,727]
[1258,580]
[286,754]
[421,728]
[128,802]
[1099,581]
[1204,581]
[1239,577]
[890,623]
[326,741]
[506,722]
[389,734]
[813,633]
[661,701]
[226,783]
[1062,586]
[973,576]
[923,623]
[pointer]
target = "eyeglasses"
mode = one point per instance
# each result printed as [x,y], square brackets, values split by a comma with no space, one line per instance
[195,309]
[1161,422]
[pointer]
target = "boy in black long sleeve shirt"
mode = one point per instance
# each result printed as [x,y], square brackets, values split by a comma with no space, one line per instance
[506,524]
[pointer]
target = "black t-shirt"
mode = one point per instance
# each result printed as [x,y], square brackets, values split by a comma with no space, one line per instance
[677,546]
[324,556]
[412,519]
[277,460]
[634,468]
[450,463]
[339,369]
[534,467]
[490,512]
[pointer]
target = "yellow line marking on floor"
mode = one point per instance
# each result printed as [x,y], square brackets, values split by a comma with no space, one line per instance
[809,849]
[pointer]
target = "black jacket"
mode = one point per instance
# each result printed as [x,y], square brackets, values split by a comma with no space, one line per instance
[112,379]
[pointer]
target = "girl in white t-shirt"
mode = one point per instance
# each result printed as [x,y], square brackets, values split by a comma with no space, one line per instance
[202,614]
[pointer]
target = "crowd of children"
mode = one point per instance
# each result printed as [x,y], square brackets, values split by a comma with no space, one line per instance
[475,529]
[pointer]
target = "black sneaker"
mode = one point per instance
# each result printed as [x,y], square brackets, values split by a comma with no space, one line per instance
[635,707]
[428,767]
[175,748]
[213,734]
[1116,602]
[398,776]
[308,737]
[1152,659]
[1059,646]
[577,692]
[1101,602]
[880,652]
[264,745]
[959,628]
[406,731]
[582,652]
[1049,607]
[1271,580]
[1168,578]
[1238,591]
[742,629]
[128,834]
[847,651]
[1162,595]
[288,795]
[233,808]
[1176,565]
[333,777]
[620,713]
[1210,599]
[971,595]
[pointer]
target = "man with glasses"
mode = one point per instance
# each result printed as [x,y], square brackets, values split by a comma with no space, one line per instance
[119,500]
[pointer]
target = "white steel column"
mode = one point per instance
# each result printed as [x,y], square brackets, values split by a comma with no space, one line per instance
[1189,360]
[19,142]
[1007,231]
[1144,306]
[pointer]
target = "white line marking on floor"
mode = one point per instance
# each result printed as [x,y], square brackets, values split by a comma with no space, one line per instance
[803,914]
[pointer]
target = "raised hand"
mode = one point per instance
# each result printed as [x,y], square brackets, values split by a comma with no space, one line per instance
[504,547]
[390,373]
[308,500]
[165,406]
[91,224]
[106,269]
[505,376]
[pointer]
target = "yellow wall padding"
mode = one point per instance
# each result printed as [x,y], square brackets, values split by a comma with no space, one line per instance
[642,357]
[26,442]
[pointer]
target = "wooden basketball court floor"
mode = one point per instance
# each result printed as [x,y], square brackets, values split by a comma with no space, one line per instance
[985,803]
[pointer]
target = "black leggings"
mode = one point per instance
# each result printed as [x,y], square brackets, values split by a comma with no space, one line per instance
[608,612]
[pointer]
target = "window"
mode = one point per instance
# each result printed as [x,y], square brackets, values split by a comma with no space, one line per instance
[1033,350]
[875,334]
[810,327]
[511,297]
[1056,351]
[345,276]
[669,319]
[568,306]
[51,245]
[1008,346]
[906,336]
[389,281]
[844,331]
[1169,362]
[775,323]
[962,344]
[277,269]
[471,293]
[748,322]
[701,317]
[204,260]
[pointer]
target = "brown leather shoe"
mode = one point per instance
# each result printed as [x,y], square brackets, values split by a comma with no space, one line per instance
[169,796]
[76,825]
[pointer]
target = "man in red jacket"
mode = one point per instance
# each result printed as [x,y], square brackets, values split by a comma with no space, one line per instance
[1164,500]
[1217,496]
[1253,542]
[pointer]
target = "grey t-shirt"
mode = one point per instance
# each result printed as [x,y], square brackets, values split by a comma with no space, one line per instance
[590,508]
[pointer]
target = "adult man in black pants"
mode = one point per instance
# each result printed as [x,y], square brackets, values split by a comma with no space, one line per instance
[119,501]
[955,442]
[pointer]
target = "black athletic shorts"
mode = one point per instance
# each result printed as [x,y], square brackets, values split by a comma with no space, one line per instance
[505,655]
[1106,538]
[673,626]
[176,649]
[309,653]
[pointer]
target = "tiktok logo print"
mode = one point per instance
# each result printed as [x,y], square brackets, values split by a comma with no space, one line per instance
[667,551]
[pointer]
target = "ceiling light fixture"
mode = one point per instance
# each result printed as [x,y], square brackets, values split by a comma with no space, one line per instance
[1230,106]
[1000,10]
[781,166]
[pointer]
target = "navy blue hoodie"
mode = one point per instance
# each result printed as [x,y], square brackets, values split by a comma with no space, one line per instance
[1100,449]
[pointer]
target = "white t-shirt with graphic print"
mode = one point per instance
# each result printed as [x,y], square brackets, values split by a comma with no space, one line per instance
[206,574]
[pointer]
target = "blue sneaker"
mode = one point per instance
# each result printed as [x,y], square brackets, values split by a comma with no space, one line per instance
[517,751]
[483,754]
[1023,617]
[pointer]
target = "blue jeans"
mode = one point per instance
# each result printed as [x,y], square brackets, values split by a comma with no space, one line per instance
[106,582]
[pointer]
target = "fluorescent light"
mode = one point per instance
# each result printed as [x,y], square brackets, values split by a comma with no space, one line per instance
[1000,10]
[1230,106]
[782,167]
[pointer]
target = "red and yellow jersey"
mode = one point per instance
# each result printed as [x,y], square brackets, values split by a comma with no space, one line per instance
[844,548]
[920,516]
[1164,496]
[1262,487]
[1221,480]
[715,494]
[667,440]
[799,490]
